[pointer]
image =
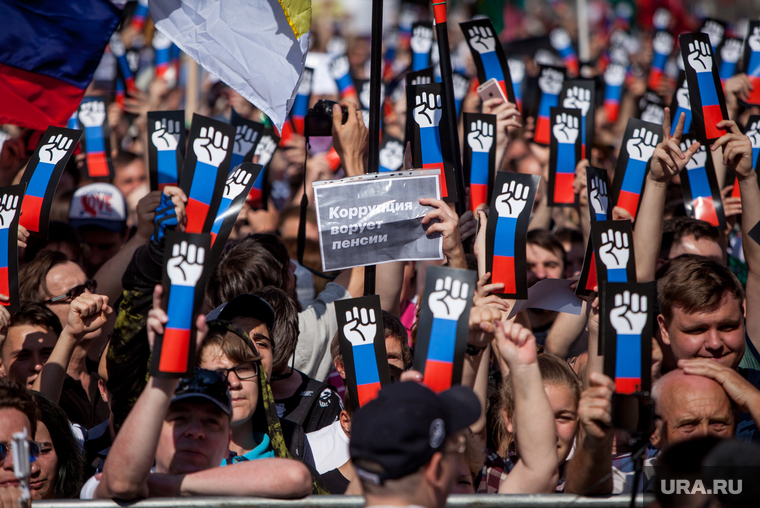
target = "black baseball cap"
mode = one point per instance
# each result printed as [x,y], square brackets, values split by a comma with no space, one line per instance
[405,425]
[207,385]
[245,305]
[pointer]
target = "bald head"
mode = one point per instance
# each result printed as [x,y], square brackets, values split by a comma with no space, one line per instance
[688,407]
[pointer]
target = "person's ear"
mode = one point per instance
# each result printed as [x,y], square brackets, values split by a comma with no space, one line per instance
[340,367]
[507,421]
[656,437]
[345,422]
[434,471]
[663,329]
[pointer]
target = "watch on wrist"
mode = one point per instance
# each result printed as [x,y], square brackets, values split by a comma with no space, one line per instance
[473,350]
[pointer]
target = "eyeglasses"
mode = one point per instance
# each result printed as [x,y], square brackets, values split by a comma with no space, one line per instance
[34,451]
[245,370]
[91,285]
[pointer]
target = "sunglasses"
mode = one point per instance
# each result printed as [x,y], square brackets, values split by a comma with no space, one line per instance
[247,370]
[91,285]
[34,451]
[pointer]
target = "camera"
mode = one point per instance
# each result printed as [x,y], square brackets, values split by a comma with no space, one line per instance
[319,119]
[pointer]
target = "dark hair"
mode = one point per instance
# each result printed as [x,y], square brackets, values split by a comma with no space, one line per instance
[284,333]
[58,232]
[695,284]
[32,285]
[124,158]
[547,241]
[71,462]
[394,328]
[257,261]
[37,314]
[232,345]
[676,228]
[14,395]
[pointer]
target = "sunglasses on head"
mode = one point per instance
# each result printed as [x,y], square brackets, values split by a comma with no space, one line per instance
[34,451]
[91,285]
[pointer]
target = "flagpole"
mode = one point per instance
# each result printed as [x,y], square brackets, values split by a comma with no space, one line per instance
[375,111]
[450,109]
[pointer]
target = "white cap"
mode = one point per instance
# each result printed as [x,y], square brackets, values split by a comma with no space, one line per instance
[98,204]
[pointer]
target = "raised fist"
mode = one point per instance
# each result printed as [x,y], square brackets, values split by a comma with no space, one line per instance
[449,299]
[422,39]
[566,128]
[614,250]
[715,31]
[428,111]
[559,38]
[336,45]
[697,160]
[642,144]
[461,84]
[700,56]
[92,114]
[339,67]
[160,41]
[512,200]
[392,155]
[550,81]
[245,137]
[753,133]
[661,18]
[598,195]
[166,134]
[682,97]
[364,95]
[185,266]
[614,75]
[360,328]
[480,137]
[211,147]
[731,51]
[663,43]
[578,98]
[264,150]
[116,45]
[653,113]
[516,69]
[8,205]
[421,80]
[482,39]
[630,313]
[754,39]
[236,183]
[54,150]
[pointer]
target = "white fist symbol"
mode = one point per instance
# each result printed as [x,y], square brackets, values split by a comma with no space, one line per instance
[715,31]
[614,250]
[482,39]
[364,95]
[700,57]
[731,51]
[8,206]
[92,114]
[339,67]
[264,150]
[614,75]
[211,148]
[550,81]
[512,200]
[336,46]
[54,150]
[598,195]
[653,113]
[245,137]
[682,97]
[305,87]
[166,134]
[480,137]
[754,39]
[663,43]
[422,39]
[461,84]
[578,98]
[186,264]
[449,298]
[698,159]
[661,18]
[516,69]
[361,327]
[559,38]
[566,128]
[116,45]
[753,133]
[392,155]
[619,55]
[641,145]
[236,183]
[421,80]
[630,313]
[427,112]
[160,41]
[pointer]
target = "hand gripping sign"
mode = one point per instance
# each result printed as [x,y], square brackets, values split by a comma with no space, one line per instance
[550,81]
[11,200]
[597,194]
[488,55]
[564,154]
[205,171]
[362,344]
[613,247]
[708,104]
[42,175]
[184,284]
[626,320]
[580,94]
[443,326]
[479,157]
[507,228]
[701,194]
[639,142]
[166,150]
[97,137]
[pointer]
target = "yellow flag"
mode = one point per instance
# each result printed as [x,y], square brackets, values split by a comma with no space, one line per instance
[298,13]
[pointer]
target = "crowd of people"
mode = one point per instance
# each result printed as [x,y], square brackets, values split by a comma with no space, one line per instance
[266,411]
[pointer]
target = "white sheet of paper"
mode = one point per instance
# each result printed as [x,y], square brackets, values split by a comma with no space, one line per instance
[550,294]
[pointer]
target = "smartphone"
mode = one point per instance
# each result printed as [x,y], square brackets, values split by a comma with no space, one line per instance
[491,90]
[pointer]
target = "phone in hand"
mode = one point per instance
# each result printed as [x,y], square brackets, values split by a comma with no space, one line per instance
[491,90]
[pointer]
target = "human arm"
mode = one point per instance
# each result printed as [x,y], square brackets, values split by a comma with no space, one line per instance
[448,227]
[507,115]
[350,138]
[475,371]
[565,329]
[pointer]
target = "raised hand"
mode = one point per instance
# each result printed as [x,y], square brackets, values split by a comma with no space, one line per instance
[715,31]
[54,150]
[630,313]
[87,313]
[614,251]
[361,327]
[166,134]
[516,69]
[264,150]
[642,144]
[92,114]
[236,183]
[737,149]
[663,43]
[211,147]
[8,205]
[700,57]
[614,75]
[578,98]
[669,158]
[512,200]
[482,39]
[339,67]
[598,195]
[566,128]
[731,51]
[449,298]
[422,39]
[428,111]
[516,344]
[245,137]
[480,137]
[550,81]
[559,38]
[185,266]
[392,155]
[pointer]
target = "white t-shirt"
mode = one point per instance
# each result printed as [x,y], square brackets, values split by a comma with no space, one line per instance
[329,445]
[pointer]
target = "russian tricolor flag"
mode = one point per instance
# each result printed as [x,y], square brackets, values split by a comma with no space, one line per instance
[48,54]
[439,365]
[628,364]
[367,375]
[753,73]
[176,342]
[199,200]
[663,47]
[140,15]
[710,105]
[701,195]
[504,254]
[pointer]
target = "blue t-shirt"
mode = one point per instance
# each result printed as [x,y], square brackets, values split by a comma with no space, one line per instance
[262,451]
